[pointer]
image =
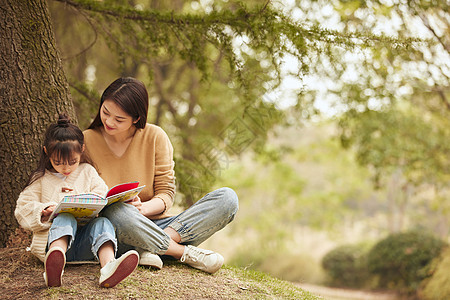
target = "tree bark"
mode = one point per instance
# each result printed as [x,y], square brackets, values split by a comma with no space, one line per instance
[33,90]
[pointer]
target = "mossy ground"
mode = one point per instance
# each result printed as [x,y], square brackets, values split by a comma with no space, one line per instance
[21,278]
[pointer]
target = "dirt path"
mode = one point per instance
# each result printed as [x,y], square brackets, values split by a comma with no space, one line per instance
[345,294]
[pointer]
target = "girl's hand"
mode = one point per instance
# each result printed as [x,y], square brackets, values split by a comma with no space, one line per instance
[46,212]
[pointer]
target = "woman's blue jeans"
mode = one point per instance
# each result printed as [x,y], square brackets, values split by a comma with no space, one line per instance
[196,224]
[84,241]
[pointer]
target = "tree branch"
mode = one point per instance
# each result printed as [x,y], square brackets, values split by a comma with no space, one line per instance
[92,43]
[426,23]
[83,91]
[226,17]
[241,21]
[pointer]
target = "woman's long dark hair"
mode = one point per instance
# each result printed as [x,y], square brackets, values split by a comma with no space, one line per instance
[61,140]
[130,95]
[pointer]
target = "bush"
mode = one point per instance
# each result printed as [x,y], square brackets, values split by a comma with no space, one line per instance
[438,286]
[400,260]
[346,266]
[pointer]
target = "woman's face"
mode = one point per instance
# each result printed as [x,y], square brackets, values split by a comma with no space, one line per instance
[115,120]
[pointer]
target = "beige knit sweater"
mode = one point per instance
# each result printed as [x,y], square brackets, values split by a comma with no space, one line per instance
[148,159]
[48,190]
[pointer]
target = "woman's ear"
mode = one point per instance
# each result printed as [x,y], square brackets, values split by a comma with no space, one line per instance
[137,120]
[45,150]
[82,148]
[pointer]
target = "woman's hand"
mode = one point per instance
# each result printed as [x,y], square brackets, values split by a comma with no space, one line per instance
[136,202]
[148,208]
[46,212]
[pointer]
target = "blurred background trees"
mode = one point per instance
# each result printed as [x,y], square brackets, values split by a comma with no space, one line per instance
[209,66]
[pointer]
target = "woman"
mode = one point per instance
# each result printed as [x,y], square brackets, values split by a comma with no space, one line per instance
[125,148]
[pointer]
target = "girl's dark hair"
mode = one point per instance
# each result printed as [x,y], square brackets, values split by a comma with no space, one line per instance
[61,140]
[130,95]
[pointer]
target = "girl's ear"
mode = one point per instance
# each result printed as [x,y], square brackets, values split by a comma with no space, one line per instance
[45,150]
[82,148]
[137,120]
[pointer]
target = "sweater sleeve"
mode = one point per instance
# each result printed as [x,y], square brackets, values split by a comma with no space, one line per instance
[164,182]
[97,184]
[29,208]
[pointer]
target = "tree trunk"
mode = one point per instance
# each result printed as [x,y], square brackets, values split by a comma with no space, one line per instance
[33,90]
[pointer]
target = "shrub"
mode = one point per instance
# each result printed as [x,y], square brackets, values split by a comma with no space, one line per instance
[399,260]
[438,286]
[346,266]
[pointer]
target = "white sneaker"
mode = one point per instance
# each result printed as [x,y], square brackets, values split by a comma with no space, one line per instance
[205,260]
[118,269]
[149,259]
[54,263]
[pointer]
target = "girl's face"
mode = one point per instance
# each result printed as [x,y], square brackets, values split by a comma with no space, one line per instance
[66,167]
[115,120]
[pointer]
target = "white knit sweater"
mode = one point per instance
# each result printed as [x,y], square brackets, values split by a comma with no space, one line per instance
[49,190]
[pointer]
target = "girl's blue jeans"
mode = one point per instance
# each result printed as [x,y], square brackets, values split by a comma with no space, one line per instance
[84,241]
[207,216]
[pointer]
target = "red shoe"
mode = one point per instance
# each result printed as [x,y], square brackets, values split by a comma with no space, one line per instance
[54,263]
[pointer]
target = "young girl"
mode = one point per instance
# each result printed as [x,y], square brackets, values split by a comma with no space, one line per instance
[63,170]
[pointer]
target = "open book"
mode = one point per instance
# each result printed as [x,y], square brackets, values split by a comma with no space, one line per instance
[86,206]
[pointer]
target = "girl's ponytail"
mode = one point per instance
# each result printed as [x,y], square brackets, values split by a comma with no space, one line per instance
[63,120]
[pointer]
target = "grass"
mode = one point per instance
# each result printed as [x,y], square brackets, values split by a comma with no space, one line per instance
[22,279]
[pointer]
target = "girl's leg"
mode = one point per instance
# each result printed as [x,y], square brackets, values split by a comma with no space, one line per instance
[62,231]
[62,242]
[106,253]
[97,240]
[96,237]
[60,236]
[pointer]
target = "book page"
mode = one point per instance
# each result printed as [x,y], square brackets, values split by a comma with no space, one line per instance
[123,187]
[125,196]
[83,206]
